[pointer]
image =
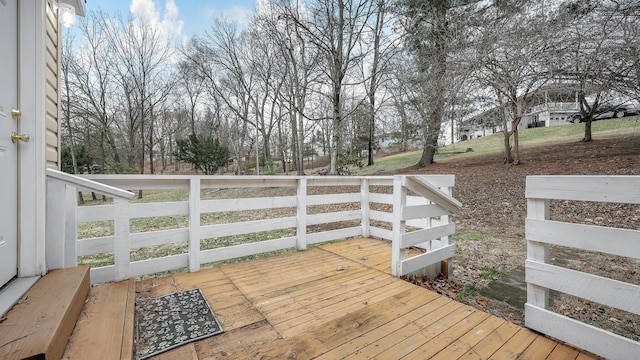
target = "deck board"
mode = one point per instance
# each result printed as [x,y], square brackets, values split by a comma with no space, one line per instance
[431,305]
[106,323]
[403,342]
[466,342]
[540,347]
[492,342]
[339,301]
[518,343]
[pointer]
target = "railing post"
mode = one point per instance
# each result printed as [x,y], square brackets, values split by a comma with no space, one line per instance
[55,240]
[122,246]
[536,251]
[364,207]
[399,202]
[301,214]
[446,266]
[70,247]
[194,224]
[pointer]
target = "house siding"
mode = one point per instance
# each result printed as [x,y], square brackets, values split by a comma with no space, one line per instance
[52,88]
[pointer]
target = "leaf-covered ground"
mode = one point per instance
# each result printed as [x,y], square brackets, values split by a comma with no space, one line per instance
[490,232]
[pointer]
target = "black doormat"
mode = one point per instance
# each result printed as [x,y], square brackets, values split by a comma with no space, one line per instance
[173,320]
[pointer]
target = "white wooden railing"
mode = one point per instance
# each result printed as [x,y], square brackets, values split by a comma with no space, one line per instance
[61,221]
[369,208]
[542,276]
[433,235]
[564,106]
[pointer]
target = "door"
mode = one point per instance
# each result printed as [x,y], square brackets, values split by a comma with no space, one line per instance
[8,150]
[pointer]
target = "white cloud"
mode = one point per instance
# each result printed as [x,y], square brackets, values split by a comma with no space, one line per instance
[145,9]
[169,23]
[238,14]
[171,20]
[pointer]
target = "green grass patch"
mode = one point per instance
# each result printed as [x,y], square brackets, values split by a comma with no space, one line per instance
[97,260]
[491,273]
[226,241]
[464,235]
[466,292]
[470,236]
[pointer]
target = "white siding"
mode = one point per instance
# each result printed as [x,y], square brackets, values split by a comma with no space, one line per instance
[52,88]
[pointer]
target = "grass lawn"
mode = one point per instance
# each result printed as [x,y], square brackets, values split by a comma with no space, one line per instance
[493,144]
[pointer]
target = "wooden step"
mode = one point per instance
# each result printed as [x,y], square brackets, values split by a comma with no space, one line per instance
[39,324]
[105,326]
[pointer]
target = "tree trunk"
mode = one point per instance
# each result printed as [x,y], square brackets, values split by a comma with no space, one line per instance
[300,138]
[427,156]
[508,158]
[295,143]
[372,127]
[335,136]
[587,131]
[437,92]
[431,141]
[516,144]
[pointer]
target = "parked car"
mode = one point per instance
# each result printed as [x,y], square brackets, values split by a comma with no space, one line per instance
[608,111]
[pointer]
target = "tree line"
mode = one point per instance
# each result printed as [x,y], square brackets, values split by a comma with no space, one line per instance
[330,78]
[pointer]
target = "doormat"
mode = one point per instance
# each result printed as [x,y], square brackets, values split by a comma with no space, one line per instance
[173,320]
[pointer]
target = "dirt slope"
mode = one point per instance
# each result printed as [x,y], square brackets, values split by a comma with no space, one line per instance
[490,235]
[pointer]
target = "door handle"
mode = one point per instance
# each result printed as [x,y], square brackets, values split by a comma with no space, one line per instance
[22,137]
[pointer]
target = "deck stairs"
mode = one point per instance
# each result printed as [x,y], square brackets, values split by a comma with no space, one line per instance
[41,324]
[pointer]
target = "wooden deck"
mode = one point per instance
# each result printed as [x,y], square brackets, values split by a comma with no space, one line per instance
[337,301]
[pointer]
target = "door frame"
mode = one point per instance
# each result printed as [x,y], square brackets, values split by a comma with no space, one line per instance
[32,155]
[9,155]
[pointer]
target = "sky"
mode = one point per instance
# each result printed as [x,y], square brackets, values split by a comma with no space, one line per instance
[182,18]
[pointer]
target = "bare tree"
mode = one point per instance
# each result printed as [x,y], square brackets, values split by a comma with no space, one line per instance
[265,60]
[435,30]
[592,55]
[193,86]
[512,57]
[220,57]
[629,52]
[335,27]
[298,68]
[142,53]
[90,81]
[382,51]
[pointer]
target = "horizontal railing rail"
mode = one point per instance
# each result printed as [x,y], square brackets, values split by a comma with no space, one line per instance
[541,276]
[565,106]
[285,211]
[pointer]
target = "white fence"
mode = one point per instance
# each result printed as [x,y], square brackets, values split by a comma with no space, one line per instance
[542,276]
[362,213]
[435,233]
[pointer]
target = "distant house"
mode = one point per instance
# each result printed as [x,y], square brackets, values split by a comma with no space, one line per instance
[549,114]
[485,123]
[385,140]
[551,105]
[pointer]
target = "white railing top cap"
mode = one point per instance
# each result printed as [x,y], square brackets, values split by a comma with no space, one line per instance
[434,194]
[89,185]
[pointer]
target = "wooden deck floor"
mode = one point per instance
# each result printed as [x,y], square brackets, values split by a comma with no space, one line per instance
[339,301]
